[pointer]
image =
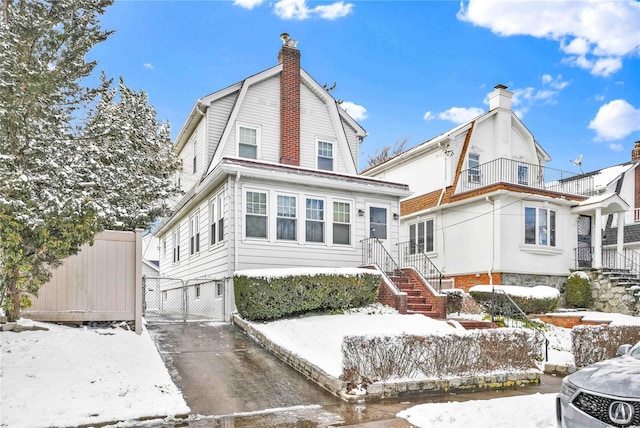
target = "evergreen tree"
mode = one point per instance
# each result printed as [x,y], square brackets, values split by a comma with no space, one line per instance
[66,153]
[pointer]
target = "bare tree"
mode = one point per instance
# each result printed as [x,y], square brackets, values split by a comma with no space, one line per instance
[387,152]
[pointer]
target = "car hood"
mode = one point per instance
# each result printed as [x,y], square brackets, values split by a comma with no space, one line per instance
[619,377]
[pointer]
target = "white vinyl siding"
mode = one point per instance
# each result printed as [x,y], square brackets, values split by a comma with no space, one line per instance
[217,117]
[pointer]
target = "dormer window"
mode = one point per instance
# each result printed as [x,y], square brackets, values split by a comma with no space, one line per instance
[248,139]
[325,155]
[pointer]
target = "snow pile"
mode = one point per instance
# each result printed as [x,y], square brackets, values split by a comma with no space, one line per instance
[537,292]
[302,271]
[74,376]
[537,410]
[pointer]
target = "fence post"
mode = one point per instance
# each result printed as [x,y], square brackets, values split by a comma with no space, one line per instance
[493,304]
[138,283]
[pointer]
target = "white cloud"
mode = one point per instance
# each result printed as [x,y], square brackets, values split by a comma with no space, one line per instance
[460,115]
[333,11]
[615,120]
[247,4]
[525,98]
[356,111]
[298,9]
[616,147]
[291,9]
[148,65]
[555,83]
[428,116]
[589,31]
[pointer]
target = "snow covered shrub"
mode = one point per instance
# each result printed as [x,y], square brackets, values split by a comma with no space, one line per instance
[276,293]
[532,300]
[593,343]
[454,301]
[577,292]
[381,358]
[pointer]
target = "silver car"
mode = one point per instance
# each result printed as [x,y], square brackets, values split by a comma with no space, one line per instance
[604,394]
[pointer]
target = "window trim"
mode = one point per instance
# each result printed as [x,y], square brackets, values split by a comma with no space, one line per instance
[473,171]
[258,130]
[216,219]
[332,143]
[175,245]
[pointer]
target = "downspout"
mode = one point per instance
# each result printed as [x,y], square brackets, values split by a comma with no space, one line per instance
[238,198]
[446,154]
[493,238]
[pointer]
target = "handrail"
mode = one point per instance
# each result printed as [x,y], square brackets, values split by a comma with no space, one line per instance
[373,252]
[411,254]
[522,316]
[629,261]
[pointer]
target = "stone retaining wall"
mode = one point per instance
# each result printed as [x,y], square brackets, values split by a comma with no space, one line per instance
[383,390]
[607,296]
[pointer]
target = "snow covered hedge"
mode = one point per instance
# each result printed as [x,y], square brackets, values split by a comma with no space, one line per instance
[276,293]
[478,352]
[532,300]
[593,343]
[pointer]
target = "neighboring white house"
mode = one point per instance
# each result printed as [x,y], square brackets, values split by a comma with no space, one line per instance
[269,174]
[486,209]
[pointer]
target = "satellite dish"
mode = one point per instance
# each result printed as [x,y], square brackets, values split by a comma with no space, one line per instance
[578,162]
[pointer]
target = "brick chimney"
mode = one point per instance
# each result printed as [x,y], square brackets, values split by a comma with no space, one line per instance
[289,56]
[635,153]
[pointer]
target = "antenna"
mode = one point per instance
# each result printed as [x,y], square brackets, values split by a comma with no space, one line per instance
[578,162]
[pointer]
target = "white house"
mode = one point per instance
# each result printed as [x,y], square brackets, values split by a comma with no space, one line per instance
[269,174]
[485,208]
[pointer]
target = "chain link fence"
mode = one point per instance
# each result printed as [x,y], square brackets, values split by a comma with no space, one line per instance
[173,299]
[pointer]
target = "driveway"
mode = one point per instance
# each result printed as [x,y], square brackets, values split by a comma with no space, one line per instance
[232,381]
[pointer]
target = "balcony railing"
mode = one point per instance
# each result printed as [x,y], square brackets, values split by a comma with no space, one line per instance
[510,171]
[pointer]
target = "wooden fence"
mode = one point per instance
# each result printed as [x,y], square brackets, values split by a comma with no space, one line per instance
[103,282]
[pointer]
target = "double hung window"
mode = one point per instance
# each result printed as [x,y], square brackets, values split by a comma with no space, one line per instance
[342,223]
[247,142]
[256,215]
[194,234]
[315,220]
[286,218]
[325,155]
[474,168]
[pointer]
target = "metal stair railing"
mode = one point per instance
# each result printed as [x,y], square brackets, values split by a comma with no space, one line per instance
[374,253]
[412,255]
[629,261]
[513,316]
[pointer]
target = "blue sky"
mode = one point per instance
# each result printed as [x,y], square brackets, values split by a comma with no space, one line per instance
[405,69]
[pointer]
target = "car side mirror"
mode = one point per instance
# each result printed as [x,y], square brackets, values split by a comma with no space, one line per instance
[622,350]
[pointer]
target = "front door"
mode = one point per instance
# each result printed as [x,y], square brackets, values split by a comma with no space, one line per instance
[584,242]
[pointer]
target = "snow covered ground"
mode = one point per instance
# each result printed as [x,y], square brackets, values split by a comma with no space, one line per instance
[73,376]
[69,376]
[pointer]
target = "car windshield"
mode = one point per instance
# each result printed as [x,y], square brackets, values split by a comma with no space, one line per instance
[635,351]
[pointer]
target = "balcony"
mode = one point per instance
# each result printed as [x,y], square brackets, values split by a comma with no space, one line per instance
[508,171]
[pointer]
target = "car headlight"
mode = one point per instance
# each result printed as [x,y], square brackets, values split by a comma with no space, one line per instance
[568,388]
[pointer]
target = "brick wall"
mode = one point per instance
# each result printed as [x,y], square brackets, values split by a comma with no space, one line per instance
[465,282]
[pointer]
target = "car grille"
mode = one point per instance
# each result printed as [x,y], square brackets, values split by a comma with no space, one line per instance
[597,407]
